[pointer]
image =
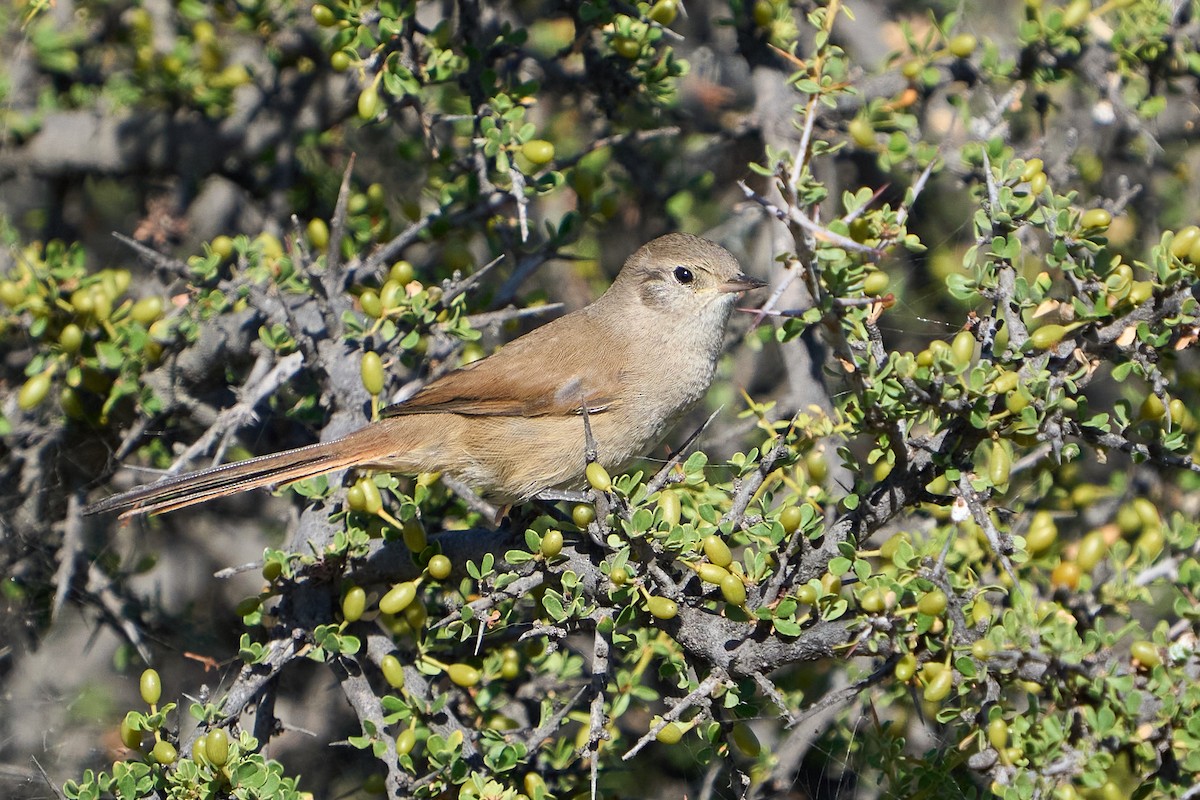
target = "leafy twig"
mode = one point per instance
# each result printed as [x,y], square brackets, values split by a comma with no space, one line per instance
[698,696]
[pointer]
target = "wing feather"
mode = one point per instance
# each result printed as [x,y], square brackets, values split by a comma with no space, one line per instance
[553,373]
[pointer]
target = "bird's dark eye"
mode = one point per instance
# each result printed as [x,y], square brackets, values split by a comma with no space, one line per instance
[684,275]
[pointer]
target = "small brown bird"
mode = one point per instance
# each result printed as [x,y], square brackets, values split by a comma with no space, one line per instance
[510,425]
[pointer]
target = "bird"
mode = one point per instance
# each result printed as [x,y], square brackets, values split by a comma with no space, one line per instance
[512,424]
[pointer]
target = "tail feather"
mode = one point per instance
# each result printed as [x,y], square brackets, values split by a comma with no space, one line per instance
[198,487]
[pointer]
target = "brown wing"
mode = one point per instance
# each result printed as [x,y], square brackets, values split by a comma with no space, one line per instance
[552,370]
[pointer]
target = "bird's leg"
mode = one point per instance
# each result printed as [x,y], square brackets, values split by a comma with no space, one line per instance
[590,452]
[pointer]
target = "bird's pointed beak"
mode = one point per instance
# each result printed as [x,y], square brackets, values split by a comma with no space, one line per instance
[740,283]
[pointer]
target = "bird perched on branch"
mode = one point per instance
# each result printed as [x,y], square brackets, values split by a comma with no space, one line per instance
[511,425]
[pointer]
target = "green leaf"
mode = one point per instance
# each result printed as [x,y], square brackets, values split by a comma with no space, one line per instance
[552,601]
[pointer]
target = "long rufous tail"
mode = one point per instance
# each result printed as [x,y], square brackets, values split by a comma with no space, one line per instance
[240,476]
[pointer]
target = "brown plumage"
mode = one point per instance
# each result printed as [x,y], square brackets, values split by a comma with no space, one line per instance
[510,425]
